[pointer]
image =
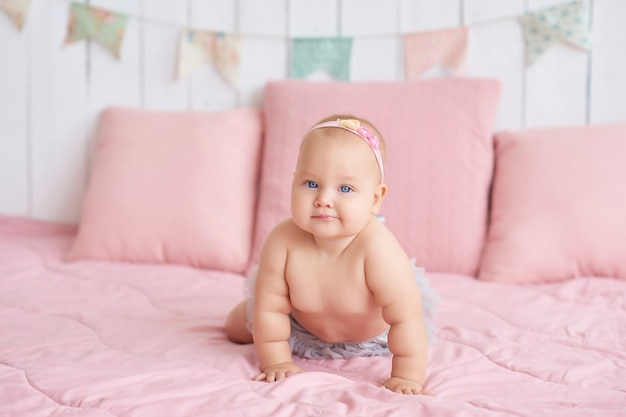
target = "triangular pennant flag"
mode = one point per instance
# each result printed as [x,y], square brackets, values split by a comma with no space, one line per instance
[330,54]
[567,23]
[17,10]
[199,48]
[425,50]
[105,27]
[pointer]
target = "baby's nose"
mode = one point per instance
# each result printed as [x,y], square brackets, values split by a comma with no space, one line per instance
[323,200]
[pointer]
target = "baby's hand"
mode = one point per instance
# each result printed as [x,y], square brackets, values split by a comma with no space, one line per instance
[404,386]
[278,372]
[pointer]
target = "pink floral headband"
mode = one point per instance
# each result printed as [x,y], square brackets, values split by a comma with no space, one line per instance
[354,126]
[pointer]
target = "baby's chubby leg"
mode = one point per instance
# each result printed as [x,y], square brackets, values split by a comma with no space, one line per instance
[235,327]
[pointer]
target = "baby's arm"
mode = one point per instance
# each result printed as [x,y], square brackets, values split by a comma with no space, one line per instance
[271,324]
[390,278]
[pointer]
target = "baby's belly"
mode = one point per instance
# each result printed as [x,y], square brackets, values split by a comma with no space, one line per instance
[342,328]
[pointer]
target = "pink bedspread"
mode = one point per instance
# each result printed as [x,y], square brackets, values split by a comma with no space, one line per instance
[105,339]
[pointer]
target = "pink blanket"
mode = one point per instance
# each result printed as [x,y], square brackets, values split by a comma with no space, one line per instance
[107,339]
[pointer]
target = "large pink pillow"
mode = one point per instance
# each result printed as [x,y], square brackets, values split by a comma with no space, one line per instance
[439,164]
[559,205]
[172,187]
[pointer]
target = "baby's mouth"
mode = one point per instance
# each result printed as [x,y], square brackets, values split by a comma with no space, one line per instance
[324,217]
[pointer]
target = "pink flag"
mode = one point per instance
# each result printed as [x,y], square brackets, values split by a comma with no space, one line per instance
[424,50]
[17,10]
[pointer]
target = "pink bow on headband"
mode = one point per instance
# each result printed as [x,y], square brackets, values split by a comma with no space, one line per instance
[365,133]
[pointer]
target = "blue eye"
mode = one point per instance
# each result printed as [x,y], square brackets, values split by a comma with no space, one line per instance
[345,189]
[311,184]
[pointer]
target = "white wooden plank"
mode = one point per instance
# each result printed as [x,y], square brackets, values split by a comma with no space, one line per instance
[14,139]
[375,59]
[369,17]
[59,100]
[212,15]
[608,81]
[557,89]
[265,47]
[423,15]
[208,90]
[263,59]
[556,84]
[496,50]
[485,11]
[163,22]
[159,23]
[160,87]
[376,47]
[113,81]
[313,18]
[268,18]
[173,14]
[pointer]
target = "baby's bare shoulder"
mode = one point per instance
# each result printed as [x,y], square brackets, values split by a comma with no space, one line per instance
[286,234]
[287,229]
[376,234]
[380,246]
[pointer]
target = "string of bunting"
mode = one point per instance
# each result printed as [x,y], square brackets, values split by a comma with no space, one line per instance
[567,23]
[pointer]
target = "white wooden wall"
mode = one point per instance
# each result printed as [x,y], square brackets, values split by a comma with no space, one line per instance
[50,94]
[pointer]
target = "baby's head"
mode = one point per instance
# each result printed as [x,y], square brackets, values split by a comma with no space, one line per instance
[349,128]
[339,175]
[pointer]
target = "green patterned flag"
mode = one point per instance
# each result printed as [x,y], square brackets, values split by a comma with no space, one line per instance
[567,23]
[105,27]
[330,54]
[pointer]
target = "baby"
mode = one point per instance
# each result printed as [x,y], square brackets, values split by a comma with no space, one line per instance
[332,280]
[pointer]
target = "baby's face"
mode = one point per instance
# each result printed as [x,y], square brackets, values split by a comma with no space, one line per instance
[334,189]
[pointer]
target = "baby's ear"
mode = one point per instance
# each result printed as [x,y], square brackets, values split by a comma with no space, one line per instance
[379,195]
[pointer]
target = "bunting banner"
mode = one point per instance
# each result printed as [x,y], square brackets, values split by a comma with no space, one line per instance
[445,47]
[105,27]
[200,48]
[330,54]
[17,10]
[567,23]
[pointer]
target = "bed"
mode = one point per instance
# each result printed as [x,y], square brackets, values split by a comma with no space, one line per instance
[122,315]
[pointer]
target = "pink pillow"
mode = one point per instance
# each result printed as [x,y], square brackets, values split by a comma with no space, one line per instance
[438,168]
[172,187]
[558,205]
